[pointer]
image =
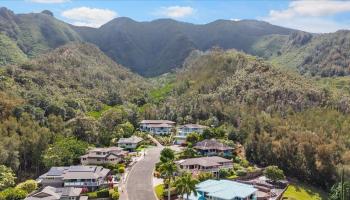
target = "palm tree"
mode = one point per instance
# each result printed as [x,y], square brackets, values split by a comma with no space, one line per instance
[185,185]
[167,170]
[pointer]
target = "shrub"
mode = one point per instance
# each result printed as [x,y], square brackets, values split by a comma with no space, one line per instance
[241,172]
[274,173]
[28,186]
[115,196]
[224,173]
[121,170]
[104,193]
[13,194]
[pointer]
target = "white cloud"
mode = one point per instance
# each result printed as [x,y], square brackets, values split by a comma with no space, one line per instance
[49,1]
[235,19]
[176,11]
[85,16]
[312,16]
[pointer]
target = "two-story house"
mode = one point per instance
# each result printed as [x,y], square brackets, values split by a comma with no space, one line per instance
[130,143]
[184,130]
[204,164]
[212,147]
[157,127]
[98,156]
[90,177]
[52,193]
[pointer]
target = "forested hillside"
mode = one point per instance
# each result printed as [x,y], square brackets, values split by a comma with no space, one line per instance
[35,33]
[282,118]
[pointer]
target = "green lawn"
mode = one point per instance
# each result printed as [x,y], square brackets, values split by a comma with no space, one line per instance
[98,114]
[303,192]
[159,189]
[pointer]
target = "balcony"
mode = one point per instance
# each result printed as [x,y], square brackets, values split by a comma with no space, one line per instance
[72,184]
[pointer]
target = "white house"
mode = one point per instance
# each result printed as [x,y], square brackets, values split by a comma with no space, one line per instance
[129,143]
[185,130]
[157,127]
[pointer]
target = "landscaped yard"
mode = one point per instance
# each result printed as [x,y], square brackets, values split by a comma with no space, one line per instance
[159,189]
[303,192]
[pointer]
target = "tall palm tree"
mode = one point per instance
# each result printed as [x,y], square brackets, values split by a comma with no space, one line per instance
[168,170]
[185,185]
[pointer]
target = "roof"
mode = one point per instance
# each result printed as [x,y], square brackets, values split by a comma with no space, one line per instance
[211,144]
[117,151]
[51,193]
[77,172]
[156,122]
[163,125]
[132,139]
[225,189]
[193,126]
[204,161]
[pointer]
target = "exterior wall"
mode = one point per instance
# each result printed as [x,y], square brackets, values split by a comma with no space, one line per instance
[128,145]
[91,184]
[214,152]
[99,161]
[160,130]
[52,181]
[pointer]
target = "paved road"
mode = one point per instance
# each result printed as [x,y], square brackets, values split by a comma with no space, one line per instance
[139,184]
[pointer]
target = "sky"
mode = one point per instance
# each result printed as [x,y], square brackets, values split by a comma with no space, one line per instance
[317,16]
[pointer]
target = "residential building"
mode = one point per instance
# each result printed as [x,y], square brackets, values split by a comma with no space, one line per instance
[204,164]
[90,177]
[224,190]
[98,156]
[52,193]
[157,127]
[129,143]
[186,129]
[212,147]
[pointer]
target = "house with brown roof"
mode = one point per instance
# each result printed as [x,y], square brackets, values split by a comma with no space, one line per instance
[157,127]
[204,164]
[52,193]
[90,177]
[98,156]
[212,147]
[184,130]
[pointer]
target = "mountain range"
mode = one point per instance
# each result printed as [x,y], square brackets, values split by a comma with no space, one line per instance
[160,46]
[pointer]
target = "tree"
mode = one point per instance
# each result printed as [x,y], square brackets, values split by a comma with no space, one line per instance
[167,170]
[28,186]
[185,185]
[337,193]
[167,155]
[188,153]
[193,138]
[274,173]
[13,194]
[7,177]
[203,176]
[64,151]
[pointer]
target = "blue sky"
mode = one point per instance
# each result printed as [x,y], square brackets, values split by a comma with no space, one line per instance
[312,16]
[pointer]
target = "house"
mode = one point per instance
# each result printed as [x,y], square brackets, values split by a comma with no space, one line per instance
[129,143]
[212,147]
[185,130]
[204,164]
[51,193]
[224,190]
[157,127]
[90,177]
[98,156]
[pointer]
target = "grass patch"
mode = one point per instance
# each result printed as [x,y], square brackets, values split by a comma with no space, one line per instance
[159,189]
[303,192]
[97,114]
[160,94]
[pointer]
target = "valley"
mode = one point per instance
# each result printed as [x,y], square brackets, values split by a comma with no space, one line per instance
[281,95]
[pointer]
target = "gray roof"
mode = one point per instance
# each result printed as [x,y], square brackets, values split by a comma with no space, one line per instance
[77,172]
[193,126]
[204,161]
[211,144]
[163,125]
[117,151]
[51,193]
[130,140]
[156,122]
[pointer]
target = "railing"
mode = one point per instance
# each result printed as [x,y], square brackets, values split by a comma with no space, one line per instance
[81,184]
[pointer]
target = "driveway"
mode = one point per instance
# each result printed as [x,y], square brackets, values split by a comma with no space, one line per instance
[139,184]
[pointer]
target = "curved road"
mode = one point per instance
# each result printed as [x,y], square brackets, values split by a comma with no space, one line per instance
[139,185]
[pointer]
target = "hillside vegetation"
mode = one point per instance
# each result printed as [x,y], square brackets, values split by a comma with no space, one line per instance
[9,52]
